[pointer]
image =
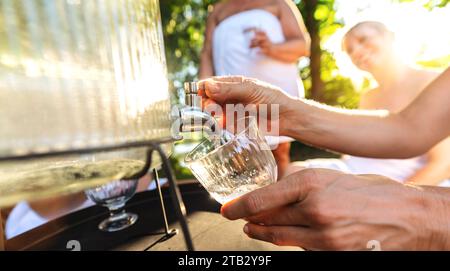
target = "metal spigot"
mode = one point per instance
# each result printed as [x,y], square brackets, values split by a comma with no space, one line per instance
[191,117]
[192,98]
[191,87]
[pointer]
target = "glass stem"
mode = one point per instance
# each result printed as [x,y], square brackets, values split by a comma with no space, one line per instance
[116,210]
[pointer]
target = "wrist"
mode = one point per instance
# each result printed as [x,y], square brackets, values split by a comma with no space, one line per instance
[272,50]
[296,118]
[287,116]
[435,217]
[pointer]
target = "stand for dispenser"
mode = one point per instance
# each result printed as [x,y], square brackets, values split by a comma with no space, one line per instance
[175,194]
[2,233]
[153,145]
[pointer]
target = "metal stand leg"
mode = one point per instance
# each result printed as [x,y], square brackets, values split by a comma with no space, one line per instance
[169,232]
[2,233]
[175,194]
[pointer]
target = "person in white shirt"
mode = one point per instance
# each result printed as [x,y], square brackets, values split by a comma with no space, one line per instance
[262,39]
[370,45]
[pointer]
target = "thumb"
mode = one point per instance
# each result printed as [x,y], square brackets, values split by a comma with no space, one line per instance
[225,89]
[294,189]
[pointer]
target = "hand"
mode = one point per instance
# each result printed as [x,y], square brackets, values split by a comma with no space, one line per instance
[262,41]
[324,209]
[247,91]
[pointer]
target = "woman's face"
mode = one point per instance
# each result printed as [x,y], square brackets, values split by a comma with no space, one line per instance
[368,47]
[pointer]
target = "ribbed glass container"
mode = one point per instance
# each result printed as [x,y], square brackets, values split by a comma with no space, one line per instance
[78,74]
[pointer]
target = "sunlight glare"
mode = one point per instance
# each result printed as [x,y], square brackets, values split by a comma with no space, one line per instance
[420,34]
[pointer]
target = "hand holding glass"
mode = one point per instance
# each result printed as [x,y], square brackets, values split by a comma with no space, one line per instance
[241,165]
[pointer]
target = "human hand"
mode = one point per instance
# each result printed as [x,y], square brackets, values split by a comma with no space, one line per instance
[249,92]
[262,41]
[321,209]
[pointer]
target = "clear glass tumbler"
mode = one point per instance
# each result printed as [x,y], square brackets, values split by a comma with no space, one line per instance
[242,164]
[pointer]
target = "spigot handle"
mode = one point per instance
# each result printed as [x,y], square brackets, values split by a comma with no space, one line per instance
[191,95]
[190,88]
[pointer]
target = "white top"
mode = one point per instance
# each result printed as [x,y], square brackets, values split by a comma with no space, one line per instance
[397,169]
[232,54]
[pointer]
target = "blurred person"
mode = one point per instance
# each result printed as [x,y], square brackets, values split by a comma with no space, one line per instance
[263,39]
[370,45]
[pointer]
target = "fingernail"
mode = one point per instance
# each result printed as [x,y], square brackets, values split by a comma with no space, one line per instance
[246,229]
[223,212]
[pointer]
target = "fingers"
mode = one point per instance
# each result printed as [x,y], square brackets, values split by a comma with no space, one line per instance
[261,36]
[210,89]
[260,33]
[222,89]
[250,29]
[254,43]
[210,83]
[230,79]
[291,215]
[282,235]
[295,188]
[343,238]
[260,40]
[208,103]
[294,167]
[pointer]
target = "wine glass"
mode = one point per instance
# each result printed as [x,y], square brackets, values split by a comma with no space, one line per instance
[114,195]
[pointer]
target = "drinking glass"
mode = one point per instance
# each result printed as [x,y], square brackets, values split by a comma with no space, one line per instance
[114,195]
[240,165]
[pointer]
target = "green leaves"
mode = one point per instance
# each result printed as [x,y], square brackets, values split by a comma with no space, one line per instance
[437,63]
[183,26]
[429,4]
[322,12]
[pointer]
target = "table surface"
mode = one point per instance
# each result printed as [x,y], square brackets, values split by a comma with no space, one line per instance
[209,230]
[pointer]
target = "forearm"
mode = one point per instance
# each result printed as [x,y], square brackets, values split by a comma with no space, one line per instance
[432,173]
[206,68]
[436,203]
[375,134]
[289,51]
[371,133]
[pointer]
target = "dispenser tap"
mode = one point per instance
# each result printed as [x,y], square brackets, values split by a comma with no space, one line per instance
[192,98]
[190,117]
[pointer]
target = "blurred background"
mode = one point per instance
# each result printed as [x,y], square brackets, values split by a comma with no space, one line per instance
[422,37]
